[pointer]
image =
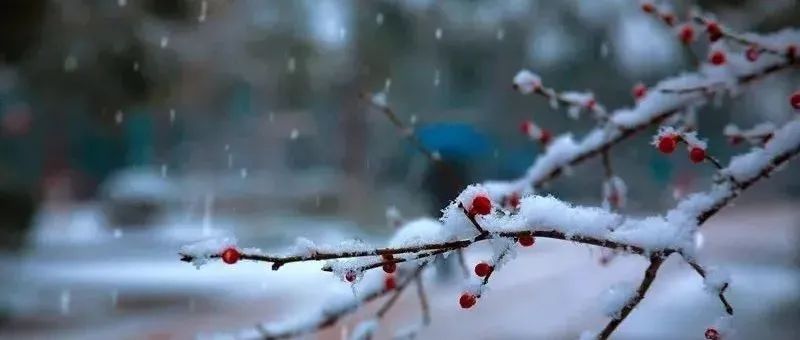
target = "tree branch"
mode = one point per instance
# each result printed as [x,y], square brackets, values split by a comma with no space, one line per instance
[702,272]
[644,286]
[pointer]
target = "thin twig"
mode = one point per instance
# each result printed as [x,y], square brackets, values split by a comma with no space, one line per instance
[644,286]
[423,301]
[700,270]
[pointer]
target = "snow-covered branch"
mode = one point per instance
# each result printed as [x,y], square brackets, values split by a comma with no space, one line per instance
[538,216]
[506,215]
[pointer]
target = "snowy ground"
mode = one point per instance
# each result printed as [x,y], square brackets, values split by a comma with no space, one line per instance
[135,288]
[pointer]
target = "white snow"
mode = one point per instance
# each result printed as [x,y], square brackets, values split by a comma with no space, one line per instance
[527,81]
[616,297]
[364,330]
[716,279]
[747,166]
[201,252]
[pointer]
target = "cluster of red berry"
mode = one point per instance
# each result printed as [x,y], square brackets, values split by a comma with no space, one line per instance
[481,205]
[686,34]
[530,129]
[669,142]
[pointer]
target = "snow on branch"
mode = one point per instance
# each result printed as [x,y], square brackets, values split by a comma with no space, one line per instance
[668,98]
[507,214]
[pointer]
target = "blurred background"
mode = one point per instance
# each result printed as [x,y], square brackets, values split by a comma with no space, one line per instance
[131,127]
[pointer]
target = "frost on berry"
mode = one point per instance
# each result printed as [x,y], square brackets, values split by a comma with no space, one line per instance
[666,140]
[711,334]
[481,205]
[350,276]
[467,300]
[526,82]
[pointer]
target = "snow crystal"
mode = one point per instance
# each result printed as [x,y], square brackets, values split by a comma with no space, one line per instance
[201,252]
[716,279]
[526,81]
[617,297]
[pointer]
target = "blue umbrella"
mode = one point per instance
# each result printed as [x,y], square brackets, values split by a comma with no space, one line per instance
[454,140]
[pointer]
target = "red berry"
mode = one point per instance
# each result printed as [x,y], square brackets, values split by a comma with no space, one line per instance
[667,144]
[639,91]
[591,103]
[513,200]
[717,58]
[526,127]
[387,257]
[752,53]
[230,256]
[795,100]
[648,7]
[481,205]
[526,240]
[350,276]
[697,155]
[714,31]
[613,199]
[545,137]
[791,52]
[482,269]
[712,334]
[735,140]
[668,18]
[686,34]
[389,283]
[389,267]
[467,300]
